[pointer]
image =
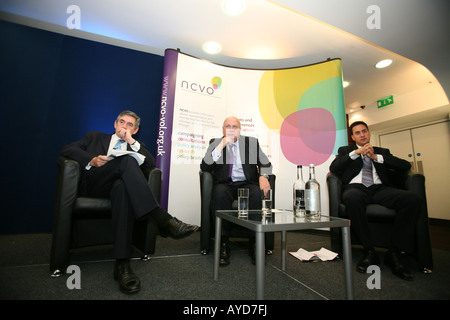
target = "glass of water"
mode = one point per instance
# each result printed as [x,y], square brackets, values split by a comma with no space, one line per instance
[243,201]
[266,198]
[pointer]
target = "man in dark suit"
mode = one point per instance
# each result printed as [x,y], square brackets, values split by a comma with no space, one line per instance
[359,189]
[121,179]
[250,169]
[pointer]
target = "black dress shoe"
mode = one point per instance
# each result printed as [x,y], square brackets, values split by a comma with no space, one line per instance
[128,281]
[399,268]
[224,256]
[370,258]
[178,229]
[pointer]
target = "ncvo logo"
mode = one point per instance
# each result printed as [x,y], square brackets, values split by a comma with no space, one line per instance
[197,88]
[216,83]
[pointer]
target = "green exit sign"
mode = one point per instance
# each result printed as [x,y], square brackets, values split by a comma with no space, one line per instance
[385,102]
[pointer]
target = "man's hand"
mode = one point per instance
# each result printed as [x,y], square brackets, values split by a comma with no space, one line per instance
[367,150]
[229,139]
[125,135]
[264,184]
[99,161]
[226,140]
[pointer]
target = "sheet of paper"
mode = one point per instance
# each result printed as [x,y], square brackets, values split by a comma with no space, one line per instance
[118,153]
[322,254]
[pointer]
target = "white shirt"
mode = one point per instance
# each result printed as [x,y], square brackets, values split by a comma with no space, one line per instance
[358,177]
[135,146]
[237,174]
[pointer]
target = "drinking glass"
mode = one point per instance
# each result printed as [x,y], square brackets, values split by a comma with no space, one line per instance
[243,200]
[266,198]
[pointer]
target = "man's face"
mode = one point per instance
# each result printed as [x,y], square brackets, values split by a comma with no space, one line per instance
[232,127]
[126,122]
[361,135]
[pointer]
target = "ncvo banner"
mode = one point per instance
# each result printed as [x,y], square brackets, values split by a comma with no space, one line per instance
[298,115]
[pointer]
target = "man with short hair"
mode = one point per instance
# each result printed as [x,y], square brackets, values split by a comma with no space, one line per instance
[121,179]
[235,161]
[363,170]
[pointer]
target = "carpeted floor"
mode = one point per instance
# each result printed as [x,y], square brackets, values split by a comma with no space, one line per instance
[178,271]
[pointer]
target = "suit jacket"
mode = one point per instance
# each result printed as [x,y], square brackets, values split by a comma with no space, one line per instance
[254,161]
[347,168]
[97,143]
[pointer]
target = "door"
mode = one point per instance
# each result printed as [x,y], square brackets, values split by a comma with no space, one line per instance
[400,144]
[428,147]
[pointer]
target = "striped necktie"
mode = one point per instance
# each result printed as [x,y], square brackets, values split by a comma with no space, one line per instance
[367,176]
[231,161]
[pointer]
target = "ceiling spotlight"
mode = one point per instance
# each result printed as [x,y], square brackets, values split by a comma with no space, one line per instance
[233,7]
[212,47]
[383,63]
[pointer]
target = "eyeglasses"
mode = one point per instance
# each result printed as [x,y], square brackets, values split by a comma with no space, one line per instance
[229,126]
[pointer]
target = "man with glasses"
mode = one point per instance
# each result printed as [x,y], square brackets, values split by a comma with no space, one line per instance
[235,162]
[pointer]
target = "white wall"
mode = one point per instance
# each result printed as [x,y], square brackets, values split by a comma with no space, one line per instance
[426,104]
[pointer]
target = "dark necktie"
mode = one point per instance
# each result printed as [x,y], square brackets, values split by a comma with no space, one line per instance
[367,177]
[119,144]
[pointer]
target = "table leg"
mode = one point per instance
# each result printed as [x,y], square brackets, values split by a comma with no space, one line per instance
[346,244]
[217,237]
[260,265]
[283,250]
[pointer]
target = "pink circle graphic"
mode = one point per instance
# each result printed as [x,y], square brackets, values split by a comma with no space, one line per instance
[308,136]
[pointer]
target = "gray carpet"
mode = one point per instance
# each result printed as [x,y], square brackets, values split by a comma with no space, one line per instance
[178,271]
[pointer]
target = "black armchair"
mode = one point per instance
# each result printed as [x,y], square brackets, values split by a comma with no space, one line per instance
[381,218]
[207,223]
[82,221]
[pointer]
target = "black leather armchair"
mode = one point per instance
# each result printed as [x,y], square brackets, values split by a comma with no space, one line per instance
[82,221]
[381,218]
[207,223]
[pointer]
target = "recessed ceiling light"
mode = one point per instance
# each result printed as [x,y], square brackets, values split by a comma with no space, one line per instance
[345,84]
[233,7]
[212,47]
[383,63]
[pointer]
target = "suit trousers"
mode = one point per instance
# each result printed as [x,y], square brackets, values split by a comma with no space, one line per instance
[123,182]
[405,203]
[223,196]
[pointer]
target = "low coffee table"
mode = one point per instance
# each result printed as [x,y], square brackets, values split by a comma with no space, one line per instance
[281,220]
